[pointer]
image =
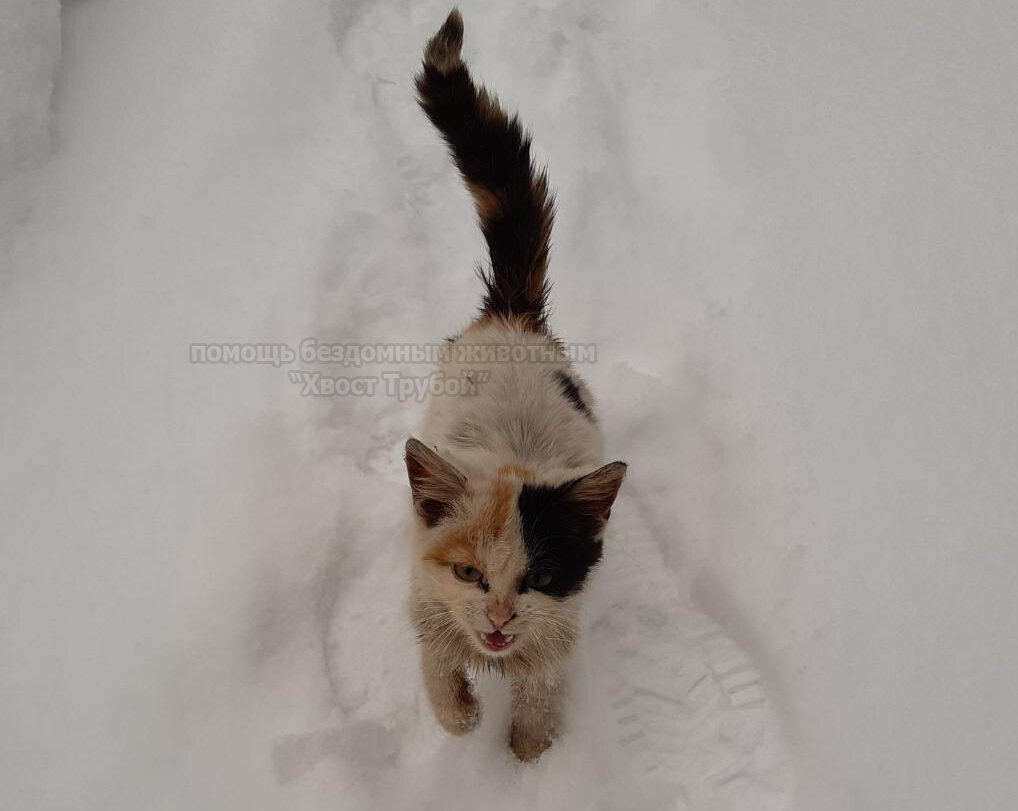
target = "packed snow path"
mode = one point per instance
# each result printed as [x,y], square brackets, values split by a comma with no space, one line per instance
[664,710]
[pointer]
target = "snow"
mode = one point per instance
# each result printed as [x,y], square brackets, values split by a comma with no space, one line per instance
[30,48]
[789,229]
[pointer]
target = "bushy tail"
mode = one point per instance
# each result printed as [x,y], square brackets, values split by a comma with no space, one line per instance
[492,152]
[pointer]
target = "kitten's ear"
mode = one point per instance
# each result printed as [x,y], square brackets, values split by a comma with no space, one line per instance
[435,483]
[595,493]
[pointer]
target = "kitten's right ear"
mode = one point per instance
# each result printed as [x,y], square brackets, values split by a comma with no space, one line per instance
[595,493]
[436,484]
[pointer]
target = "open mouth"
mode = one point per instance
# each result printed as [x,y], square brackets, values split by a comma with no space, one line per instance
[496,641]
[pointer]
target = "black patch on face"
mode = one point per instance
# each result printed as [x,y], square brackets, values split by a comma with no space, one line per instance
[560,537]
[572,393]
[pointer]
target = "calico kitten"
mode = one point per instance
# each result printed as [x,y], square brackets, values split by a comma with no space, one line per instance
[510,502]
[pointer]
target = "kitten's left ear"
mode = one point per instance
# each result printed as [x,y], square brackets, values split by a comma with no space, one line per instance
[436,484]
[595,493]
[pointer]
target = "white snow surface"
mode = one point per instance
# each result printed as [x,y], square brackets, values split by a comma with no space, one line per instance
[791,230]
[29,54]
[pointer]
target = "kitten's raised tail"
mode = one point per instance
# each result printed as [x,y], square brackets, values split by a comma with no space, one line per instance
[492,152]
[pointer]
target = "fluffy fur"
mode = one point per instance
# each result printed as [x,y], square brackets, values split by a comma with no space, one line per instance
[509,498]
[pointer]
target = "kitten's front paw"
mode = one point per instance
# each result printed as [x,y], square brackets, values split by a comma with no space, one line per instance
[528,743]
[460,716]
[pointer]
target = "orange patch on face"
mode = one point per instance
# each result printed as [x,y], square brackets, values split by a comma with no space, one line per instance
[456,547]
[460,545]
[495,513]
[522,472]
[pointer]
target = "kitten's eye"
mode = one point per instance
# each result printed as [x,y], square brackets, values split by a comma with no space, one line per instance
[467,574]
[537,580]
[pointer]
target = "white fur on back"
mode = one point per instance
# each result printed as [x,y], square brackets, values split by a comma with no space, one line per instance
[516,413]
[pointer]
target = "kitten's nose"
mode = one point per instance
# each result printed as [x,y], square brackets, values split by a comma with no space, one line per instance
[499,614]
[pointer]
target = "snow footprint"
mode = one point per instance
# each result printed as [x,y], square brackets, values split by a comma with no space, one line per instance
[665,711]
[693,725]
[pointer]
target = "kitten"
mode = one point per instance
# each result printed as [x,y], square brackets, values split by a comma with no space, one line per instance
[510,502]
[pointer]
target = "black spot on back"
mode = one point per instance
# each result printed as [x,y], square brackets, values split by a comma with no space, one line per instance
[560,537]
[572,393]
